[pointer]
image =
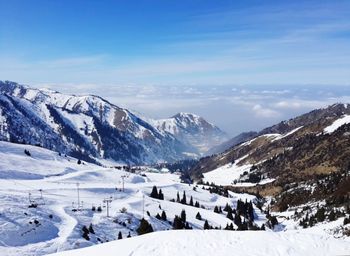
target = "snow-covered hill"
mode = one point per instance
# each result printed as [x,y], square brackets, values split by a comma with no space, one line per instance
[48,183]
[221,243]
[192,130]
[47,199]
[90,127]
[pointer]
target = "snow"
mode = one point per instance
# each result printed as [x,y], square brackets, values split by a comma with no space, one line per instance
[51,181]
[219,243]
[225,175]
[337,123]
[23,177]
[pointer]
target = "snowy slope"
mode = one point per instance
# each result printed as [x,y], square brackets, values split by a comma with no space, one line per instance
[15,164]
[50,181]
[220,243]
[337,123]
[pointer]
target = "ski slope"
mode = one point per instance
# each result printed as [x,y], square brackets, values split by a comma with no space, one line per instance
[214,242]
[53,183]
[50,181]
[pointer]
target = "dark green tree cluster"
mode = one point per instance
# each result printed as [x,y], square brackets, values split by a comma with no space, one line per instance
[161,216]
[245,209]
[229,227]
[144,227]
[321,215]
[217,209]
[156,194]
[180,222]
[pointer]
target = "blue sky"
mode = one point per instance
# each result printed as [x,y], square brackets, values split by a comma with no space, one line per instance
[112,47]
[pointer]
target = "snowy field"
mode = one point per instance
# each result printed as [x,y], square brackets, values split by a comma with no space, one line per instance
[214,242]
[51,182]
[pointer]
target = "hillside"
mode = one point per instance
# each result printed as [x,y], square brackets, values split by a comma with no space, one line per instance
[301,164]
[42,211]
[89,127]
[215,242]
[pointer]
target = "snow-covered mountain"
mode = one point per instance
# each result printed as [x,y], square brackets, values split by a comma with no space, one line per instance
[302,163]
[192,130]
[87,127]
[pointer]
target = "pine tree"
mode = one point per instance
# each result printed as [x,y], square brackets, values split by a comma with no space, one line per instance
[184,200]
[163,217]
[226,207]
[196,204]
[160,195]
[183,216]
[154,193]
[79,161]
[237,220]
[178,197]
[144,227]
[120,236]
[177,224]
[198,216]
[129,235]
[191,201]
[216,209]
[158,216]
[206,225]
[229,214]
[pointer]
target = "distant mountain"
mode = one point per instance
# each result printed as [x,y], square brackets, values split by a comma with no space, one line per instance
[192,130]
[86,127]
[309,151]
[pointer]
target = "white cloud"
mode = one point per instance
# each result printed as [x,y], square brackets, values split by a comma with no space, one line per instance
[264,112]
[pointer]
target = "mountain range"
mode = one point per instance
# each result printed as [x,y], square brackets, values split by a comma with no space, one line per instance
[91,128]
[302,160]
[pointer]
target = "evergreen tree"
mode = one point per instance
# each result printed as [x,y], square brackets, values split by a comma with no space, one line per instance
[198,216]
[129,235]
[250,211]
[191,201]
[79,161]
[120,236]
[144,227]
[158,216]
[183,216]
[184,200]
[196,204]
[226,207]
[237,220]
[177,224]
[163,217]
[177,197]
[206,225]
[154,193]
[160,195]
[216,209]
[229,214]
